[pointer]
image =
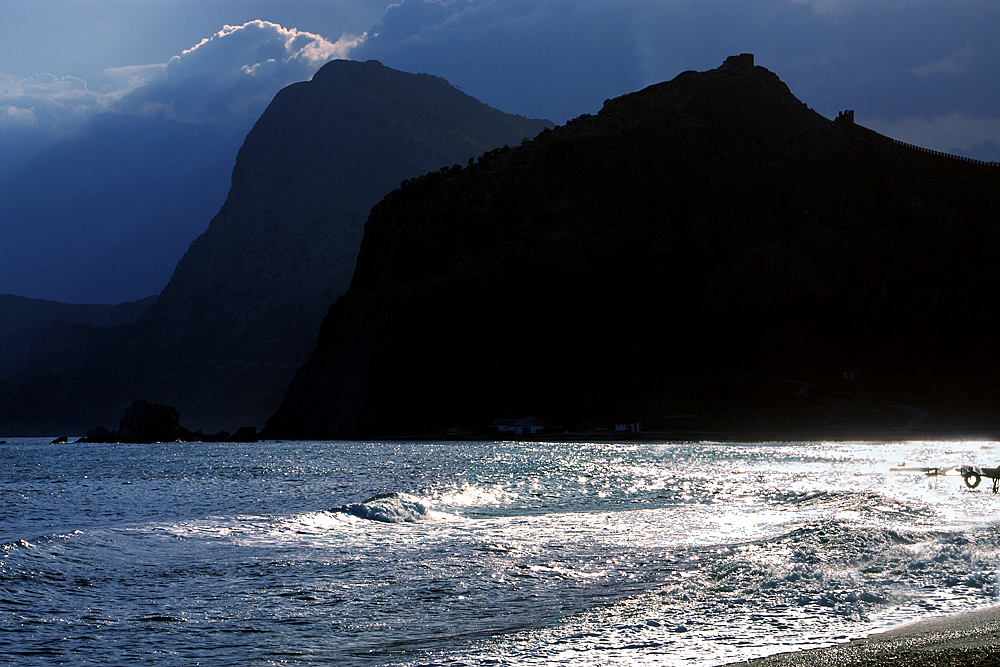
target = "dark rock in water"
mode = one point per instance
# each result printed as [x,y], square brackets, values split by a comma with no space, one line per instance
[244,434]
[99,434]
[151,422]
[146,422]
[243,308]
[60,440]
[705,255]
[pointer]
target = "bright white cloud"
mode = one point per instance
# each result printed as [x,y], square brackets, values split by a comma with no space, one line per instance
[955,63]
[950,133]
[235,71]
[259,41]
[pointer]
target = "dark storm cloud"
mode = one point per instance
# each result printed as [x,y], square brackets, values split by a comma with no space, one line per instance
[547,59]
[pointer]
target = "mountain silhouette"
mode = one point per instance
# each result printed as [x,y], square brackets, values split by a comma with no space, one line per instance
[23,319]
[243,306]
[705,256]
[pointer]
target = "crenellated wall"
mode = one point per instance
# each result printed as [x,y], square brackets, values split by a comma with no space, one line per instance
[846,119]
[960,158]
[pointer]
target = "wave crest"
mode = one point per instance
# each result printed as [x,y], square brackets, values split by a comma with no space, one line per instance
[391,508]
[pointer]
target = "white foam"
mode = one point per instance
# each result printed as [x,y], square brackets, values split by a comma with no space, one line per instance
[393,508]
[471,495]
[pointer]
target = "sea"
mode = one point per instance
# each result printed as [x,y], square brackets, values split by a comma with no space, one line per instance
[419,553]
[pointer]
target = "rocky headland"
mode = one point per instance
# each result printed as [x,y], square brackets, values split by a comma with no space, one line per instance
[705,256]
[243,307]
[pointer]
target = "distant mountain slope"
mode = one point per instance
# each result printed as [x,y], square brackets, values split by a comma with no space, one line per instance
[319,158]
[22,319]
[707,255]
[243,307]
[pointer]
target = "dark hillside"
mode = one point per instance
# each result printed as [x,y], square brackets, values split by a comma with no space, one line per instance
[22,319]
[705,255]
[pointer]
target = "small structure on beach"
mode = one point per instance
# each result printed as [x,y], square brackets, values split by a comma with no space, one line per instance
[632,427]
[526,426]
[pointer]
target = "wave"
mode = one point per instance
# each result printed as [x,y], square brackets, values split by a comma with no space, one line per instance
[398,507]
[866,503]
[392,508]
[23,544]
[853,572]
[37,542]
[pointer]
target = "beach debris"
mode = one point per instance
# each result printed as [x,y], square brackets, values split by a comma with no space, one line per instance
[974,474]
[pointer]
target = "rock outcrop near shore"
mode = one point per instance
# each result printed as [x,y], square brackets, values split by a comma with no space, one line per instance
[144,422]
[147,422]
[244,305]
[705,255]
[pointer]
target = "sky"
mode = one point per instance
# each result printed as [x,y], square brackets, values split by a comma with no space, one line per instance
[120,120]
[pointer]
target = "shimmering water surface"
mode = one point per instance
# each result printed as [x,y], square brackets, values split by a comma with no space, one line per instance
[483,553]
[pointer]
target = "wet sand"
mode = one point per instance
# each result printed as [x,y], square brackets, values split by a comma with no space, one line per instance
[963,640]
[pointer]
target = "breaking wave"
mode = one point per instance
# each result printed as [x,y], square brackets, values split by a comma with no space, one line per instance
[392,508]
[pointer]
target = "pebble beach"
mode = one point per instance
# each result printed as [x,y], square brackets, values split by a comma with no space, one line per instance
[963,640]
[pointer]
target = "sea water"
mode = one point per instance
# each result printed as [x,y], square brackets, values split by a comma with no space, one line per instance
[480,553]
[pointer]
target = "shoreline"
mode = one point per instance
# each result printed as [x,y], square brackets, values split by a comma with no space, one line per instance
[968,639]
